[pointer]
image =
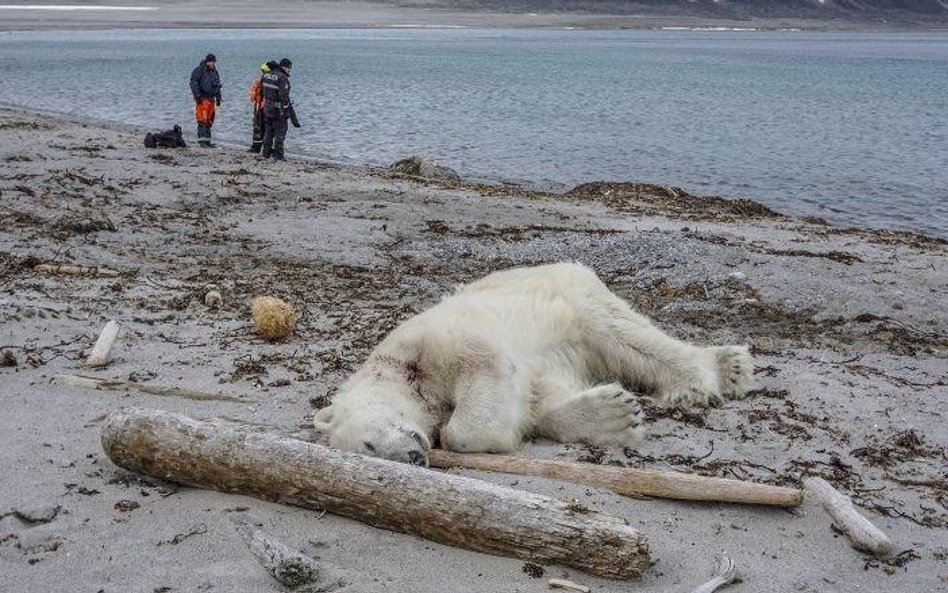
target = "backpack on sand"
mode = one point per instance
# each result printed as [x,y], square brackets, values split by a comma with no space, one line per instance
[168,139]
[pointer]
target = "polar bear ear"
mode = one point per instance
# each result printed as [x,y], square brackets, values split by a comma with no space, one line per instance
[323,418]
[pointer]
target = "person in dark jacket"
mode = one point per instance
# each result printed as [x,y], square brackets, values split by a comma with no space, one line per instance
[256,100]
[206,89]
[277,109]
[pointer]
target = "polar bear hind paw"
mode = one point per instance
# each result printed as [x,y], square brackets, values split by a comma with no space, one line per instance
[735,369]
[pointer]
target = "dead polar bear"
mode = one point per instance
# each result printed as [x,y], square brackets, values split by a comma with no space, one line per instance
[530,351]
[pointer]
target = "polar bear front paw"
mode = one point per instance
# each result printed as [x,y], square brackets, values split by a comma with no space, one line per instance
[697,394]
[735,368]
[605,416]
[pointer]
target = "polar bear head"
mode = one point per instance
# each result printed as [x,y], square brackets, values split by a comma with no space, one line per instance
[386,425]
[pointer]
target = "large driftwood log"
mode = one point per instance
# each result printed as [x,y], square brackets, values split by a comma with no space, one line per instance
[626,481]
[860,531]
[454,510]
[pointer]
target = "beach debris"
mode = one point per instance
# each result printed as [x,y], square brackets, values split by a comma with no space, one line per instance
[273,317]
[454,510]
[725,573]
[83,225]
[533,569]
[70,270]
[568,585]
[737,276]
[668,201]
[8,359]
[627,481]
[34,513]
[101,384]
[126,506]
[212,297]
[289,567]
[102,351]
[421,166]
[197,529]
[860,531]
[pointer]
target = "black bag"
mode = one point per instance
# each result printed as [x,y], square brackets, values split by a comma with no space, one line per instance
[168,139]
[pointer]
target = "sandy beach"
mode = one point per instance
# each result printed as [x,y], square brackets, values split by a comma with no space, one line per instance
[849,329]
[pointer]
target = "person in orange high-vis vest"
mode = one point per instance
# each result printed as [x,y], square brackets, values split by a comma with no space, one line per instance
[206,89]
[256,99]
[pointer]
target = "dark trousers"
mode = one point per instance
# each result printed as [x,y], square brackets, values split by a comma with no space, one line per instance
[274,134]
[258,125]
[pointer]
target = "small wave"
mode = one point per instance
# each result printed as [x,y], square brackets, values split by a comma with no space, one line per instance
[70,7]
[420,26]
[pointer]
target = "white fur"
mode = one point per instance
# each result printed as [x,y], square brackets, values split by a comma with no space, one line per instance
[546,351]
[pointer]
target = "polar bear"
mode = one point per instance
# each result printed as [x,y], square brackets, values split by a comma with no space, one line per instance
[543,351]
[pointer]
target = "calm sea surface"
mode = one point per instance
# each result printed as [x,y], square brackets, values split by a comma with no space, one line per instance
[851,127]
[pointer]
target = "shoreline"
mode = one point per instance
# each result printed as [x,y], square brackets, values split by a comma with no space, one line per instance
[493,185]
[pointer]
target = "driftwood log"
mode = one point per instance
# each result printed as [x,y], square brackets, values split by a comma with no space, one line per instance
[860,531]
[626,481]
[453,510]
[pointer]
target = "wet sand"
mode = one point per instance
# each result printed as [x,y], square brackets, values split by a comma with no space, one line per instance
[849,328]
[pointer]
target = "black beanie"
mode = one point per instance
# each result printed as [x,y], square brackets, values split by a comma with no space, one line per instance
[210,58]
[286,63]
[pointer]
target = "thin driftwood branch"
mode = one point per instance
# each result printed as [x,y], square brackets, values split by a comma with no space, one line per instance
[725,573]
[102,351]
[568,585]
[450,509]
[119,385]
[70,270]
[626,481]
[860,531]
[286,565]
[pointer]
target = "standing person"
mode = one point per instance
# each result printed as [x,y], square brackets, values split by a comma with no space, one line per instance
[277,109]
[206,89]
[256,99]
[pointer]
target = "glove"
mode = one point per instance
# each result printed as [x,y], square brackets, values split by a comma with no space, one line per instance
[219,101]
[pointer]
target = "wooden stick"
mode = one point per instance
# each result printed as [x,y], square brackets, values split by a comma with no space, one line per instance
[70,270]
[860,531]
[626,481]
[284,564]
[725,573]
[103,346]
[568,585]
[100,384]
[450,509]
